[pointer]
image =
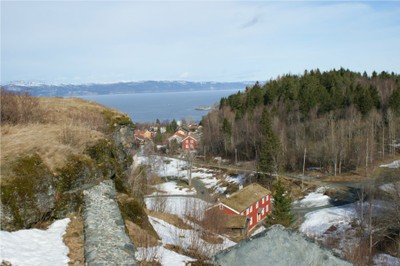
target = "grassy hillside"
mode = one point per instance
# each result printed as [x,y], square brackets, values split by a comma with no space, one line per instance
[67,126]
[51,149]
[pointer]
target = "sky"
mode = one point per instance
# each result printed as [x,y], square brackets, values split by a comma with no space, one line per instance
[107,41]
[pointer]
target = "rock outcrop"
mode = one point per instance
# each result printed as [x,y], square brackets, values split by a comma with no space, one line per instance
[277,246]
[34,193]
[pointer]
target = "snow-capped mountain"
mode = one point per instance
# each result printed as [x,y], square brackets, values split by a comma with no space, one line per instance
[125,87]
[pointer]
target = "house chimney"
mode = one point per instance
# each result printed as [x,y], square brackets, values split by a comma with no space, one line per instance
[240,186]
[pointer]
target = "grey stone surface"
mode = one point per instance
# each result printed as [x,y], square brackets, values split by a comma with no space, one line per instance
[277,246]
[106,242]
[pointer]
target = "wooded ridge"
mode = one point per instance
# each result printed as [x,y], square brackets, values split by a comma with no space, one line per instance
[336,120]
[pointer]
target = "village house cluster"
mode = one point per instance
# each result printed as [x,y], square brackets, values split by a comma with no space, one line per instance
[184,138]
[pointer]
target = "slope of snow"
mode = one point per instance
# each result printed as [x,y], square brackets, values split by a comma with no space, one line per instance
[392,165]
[171,188]
[164,166]
[162,255]
[186,238]
[317,222]
[314,199]
[385,259]
[34,246]
[180,206]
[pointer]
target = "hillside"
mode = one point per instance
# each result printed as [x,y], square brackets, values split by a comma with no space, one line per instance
[334,121]
[51,149]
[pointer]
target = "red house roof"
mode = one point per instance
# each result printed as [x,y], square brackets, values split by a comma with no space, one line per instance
[242,199]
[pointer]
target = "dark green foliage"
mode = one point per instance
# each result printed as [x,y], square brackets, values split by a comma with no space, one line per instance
[325,92]
[172,127]
[282,208]
[394,101]
[269,150]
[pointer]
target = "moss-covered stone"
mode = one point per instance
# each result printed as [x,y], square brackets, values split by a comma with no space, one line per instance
[133,211]
[28,195]
[115,119]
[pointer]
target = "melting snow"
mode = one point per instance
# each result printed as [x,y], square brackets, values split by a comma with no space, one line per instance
[162,255]
[392,165]
[315,199]
[171,188]
[34,246]
[317,222]
[385,259]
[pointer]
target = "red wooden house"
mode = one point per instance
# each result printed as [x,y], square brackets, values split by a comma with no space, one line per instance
[247,207]
[189,143]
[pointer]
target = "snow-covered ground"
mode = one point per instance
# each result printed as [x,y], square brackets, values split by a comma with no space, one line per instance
[162,255]
[34,246]
[392,165]
[172,167]
[317,222]
[180,206]
[390,187]
[163,166]
[171,188]
[385,259]
[314,199]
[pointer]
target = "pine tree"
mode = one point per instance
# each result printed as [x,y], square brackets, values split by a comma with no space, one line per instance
[281,210]
[269,150]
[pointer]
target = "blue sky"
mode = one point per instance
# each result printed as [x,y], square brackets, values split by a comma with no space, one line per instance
[90,41]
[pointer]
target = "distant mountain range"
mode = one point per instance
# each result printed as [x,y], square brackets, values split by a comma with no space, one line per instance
[42,89]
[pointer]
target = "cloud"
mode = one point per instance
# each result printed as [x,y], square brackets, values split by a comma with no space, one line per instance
[251,23]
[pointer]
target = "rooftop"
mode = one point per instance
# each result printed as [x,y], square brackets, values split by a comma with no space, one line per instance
[243,198]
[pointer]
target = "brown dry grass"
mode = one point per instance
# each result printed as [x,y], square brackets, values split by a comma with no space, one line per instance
[74,240]
[67,126]
[169,218]
[139,236]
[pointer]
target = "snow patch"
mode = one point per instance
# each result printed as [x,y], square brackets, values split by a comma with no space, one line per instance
[317,222]
[392,165]
[34,246]
[162,255]
[315,199]
[171,188]
[180,206]
[385,259]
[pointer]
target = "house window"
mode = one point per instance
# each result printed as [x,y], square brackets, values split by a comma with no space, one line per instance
[262,211]
[251,208]
[251,220]
[191,141]
[257,205]
[247,211]
[262,201]
[267,208]
[267,197]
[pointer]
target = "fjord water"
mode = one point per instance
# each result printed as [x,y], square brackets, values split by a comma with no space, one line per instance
[147,107]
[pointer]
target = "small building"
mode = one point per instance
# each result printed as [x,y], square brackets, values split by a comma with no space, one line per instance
[189,143]
[178,137]
[251,204]
[142,136]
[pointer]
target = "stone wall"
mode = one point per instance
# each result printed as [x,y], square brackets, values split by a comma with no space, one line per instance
[106,242]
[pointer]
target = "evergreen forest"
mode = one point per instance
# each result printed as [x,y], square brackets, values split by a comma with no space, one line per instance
[334,121]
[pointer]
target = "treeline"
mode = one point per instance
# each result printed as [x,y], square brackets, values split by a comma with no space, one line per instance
[337,120]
